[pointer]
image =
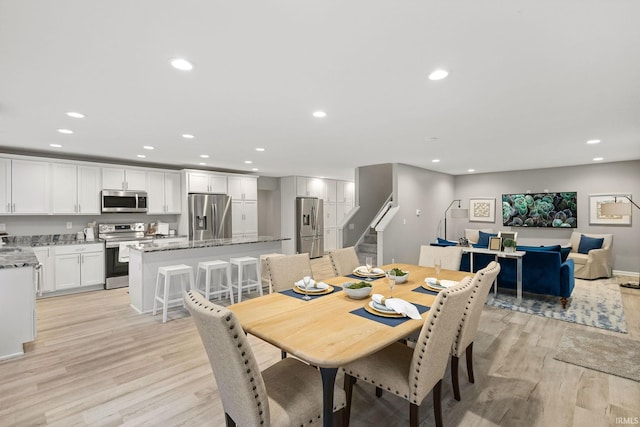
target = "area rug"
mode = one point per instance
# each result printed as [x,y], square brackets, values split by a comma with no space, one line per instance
[611,354]
[592,303]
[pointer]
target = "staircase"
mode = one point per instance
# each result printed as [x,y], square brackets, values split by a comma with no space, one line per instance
[368,247]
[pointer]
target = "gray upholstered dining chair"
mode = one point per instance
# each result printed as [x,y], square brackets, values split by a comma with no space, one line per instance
[468,327]
[284,271]
[450,256]
[344,261]
[287,393]
[412,373]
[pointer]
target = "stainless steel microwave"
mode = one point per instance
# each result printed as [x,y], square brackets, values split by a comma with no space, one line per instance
[124,201]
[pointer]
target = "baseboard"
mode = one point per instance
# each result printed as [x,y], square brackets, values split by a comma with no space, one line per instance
[626,273]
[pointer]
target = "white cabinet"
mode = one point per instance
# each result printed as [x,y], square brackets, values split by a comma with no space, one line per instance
[78,265]
[17,310]
[330,210]
[204,182]
[330,239]
[345,192]
[45,258]
[331,188]
[242,188]
[163,189]
[75,189]
[25,188]
[124,179]
[310,187]
[244,218]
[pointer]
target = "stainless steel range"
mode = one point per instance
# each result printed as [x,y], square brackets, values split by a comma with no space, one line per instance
[117,237]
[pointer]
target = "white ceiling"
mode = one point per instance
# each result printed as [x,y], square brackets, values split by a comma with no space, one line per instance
[530,82]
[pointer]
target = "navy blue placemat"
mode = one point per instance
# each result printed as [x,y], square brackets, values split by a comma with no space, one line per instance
[389,321]
[292,293]
[358,278]
[424,291]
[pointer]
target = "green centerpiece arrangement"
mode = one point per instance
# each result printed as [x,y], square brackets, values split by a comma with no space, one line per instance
[509,245]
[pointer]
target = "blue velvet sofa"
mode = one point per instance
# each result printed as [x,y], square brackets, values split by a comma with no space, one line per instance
[543,270]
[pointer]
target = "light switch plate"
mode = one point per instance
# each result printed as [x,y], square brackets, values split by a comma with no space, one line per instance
[3,227]
[69,225]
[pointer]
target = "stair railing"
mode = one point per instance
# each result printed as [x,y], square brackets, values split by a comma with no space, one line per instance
[388,204]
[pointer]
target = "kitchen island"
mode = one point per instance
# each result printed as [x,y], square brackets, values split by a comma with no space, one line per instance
[146,258]
[17,299]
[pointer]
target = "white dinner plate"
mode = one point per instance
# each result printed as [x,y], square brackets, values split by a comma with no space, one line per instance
[319,287]
[381,308]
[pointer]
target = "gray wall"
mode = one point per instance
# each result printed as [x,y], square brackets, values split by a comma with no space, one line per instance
[373,184]
[415,189]
[620,177]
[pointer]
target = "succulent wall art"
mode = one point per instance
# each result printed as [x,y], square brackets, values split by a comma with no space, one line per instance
[556,210]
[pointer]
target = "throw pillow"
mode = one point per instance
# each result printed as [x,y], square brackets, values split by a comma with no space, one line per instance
[588,243]
[564,253]
[446,242]
[483,238]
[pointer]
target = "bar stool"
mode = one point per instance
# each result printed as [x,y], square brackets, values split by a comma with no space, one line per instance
[266,280]
[242,263]
[183,273]
[209,268]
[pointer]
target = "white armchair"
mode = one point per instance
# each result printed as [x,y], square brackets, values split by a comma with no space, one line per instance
[597,263]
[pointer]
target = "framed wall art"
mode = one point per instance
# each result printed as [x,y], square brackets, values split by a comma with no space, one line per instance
[495,243]
[595,213]
[482,209]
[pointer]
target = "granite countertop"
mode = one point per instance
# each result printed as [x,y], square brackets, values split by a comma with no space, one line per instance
[17,257]
[156,247]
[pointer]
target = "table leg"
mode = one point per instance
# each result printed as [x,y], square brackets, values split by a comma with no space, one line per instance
[471,262]
[328,382]
[519,281]
[495,282]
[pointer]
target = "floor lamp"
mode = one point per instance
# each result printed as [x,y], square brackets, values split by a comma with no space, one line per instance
[455,213]
[620,209]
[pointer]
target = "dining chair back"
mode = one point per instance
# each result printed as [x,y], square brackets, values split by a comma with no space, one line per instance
[413,373]
[468,327]
[450,256]
[284,271]
[287,393]
[344,261]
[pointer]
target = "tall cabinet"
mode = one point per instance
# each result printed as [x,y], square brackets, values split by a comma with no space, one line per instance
[244,201]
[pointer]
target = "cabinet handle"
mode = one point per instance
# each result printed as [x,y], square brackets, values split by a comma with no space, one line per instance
[14,208]
[79,208]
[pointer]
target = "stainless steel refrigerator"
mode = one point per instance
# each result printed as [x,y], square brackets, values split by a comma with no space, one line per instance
[310,226]
[209,216]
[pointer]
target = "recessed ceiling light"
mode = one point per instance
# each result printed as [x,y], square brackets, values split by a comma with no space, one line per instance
[142,156]
[259,149]
[597,159]
[435,161]
[202,164]
[187,136]
[65,131]
[181,64]
[148,147]
[432,138]
[248,162]
[254,169]
[471,170]
[438,75]
[75,115]
[319,114]
[593,141]
[204,156]
[55,145]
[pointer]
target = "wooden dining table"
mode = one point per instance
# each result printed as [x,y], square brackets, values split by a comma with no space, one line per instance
[325,333]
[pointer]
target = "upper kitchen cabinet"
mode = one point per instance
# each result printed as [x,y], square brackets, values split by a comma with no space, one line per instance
[124,179]
[310,187]
[204,182]
[345,192]
[243,187]
[75,189]
[164,192]
[24,187]
[330,188]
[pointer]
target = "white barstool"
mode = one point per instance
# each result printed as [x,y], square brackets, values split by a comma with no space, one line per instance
[209,267]
[244,281]
[181,271]
[266,280]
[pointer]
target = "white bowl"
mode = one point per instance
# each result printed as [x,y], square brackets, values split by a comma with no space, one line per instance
[401,279]
[359,293]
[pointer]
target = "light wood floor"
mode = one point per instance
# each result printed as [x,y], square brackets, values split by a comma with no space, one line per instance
[97,362]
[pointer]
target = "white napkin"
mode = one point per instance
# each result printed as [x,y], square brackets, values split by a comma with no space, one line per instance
[444,283]
[363,270]
[123,252]
[398,305]
[300,283]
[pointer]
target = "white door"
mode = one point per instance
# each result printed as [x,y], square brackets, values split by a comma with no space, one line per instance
[92,268]
[329,239]
[113,179]
[5,186]
[330,211]
[237,217]
[198,182]
[172,193]
[250,217]
[156,192]
[136,180]
[302,187]
[89,190]
[67,271]
[43,254]
[331,191]
[218,184]
[29,187]
[64,189]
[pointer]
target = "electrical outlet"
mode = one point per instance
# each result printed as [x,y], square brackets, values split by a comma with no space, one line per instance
[418,212]
[404,221]
[69,225]
[351,226]
[3,227]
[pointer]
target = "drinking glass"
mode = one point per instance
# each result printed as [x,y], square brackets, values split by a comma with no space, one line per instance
[437,263]
[369,263]
[391,276]
[306,279]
